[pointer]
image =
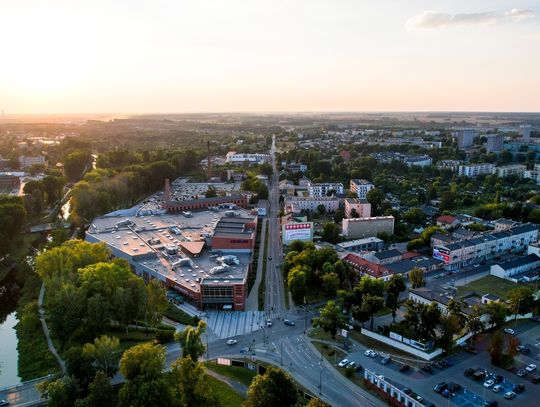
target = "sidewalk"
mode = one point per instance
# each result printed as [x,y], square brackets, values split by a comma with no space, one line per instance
[46,332]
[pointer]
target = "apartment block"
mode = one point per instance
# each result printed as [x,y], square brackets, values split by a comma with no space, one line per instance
[361,187]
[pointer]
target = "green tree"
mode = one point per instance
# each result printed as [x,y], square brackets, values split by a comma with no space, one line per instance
[191,341]
[100,393]
[80,366]
[495,348]
[105,352]
[474,321]
[330,283]
[414,216]
[330,318]
[156,303]
[76,164]
[190,384]
[392,303]
[297,283]
[375,197]
[416,277]
[273,388]
[330,233]
[321,209]
[60,392]
[450,326]
[497,313]
[211,192]
[521,300]
[371,304]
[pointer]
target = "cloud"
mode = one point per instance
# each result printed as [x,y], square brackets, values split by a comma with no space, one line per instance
[518,14]
[428,20]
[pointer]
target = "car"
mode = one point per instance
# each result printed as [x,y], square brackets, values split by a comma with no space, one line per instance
[4,403]
[344,363]
[490,403]
[454,387]
[288,322]
[497,388]
[427,368]
[386,360]
[536,379]
[268,323]
[404,368]
[440,387]
[479,374]
[522,372]
[370,353]
[232,342]
[406,390]
[509,395]
[468,372]
[518,388]
[269,257]
[531,368]
[357,367]
[488,383]
[476,265]
[351,365]
[524,351]
[509,331]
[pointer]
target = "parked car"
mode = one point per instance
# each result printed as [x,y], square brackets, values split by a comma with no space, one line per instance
[370,353]
[536,379]
[490,403]
[268,323]
[351,365]
[406,390]
[357,367]
[427,368]
[386,360]
[468,372]
[479,374]
[518,388]
[288,322]
[344,363]
[404,368]
[509,395]
[453,387]
[440,387]
[525,351]
[497,388]
[488,383]
[522,372]
[498,379]
[232,342]
[509,331]
[531,368]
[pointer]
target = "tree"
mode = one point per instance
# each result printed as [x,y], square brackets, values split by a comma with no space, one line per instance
[495,348]
[521,300]
[156,303]
[142,365]
[375,197]
[416,277]
[414,216]
[79,366]
[359,314]
[76,164]
[330,283]
[396,285]
[190,384]
[273,388]
[211,192]
[330,318]
[100,394]
[474,322]
[371,304]
[105,351]
[330,233]
[296,281]
[450,326]
[497,313]
[316,403]
[392,303]
[321,209]
[191,341]
[60,392]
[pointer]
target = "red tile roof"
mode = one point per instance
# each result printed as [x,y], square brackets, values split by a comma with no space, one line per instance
[446,219]
[366,266]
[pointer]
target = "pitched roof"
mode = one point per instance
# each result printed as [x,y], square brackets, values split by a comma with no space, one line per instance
[366,266]
[448,219]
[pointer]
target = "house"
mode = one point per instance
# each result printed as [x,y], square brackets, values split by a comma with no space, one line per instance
[447,221]
[513,269]
[367,268]
[488,298]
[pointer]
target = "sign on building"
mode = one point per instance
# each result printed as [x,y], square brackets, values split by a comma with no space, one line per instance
[297,231]
[442,254]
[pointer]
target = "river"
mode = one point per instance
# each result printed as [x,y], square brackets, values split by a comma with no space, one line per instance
[8,352]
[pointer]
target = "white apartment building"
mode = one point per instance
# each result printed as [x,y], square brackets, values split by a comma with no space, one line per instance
[533,174]
[27,161]
[311,204]
[489,245]
[474,170]
[494,142]
[322,189]
[252,158]
[361,187]
[513,268]
[356,228]
[510,170]
[465,138]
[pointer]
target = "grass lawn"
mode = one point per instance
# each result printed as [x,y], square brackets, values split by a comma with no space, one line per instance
[240,374]
[226,395]
[489,285]
[176,314]
[319,333]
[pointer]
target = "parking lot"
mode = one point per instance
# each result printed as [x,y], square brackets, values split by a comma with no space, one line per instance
[472,392]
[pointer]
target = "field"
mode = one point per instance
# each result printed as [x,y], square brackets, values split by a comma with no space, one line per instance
[240,374]
[489,285]
[226,395]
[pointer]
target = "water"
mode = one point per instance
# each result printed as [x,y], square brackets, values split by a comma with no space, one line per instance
[8,352]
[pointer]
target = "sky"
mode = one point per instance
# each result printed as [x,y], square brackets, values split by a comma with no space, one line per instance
[132,56]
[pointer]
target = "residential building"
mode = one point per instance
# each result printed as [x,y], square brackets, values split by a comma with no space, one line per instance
[533,174]
[465,138]
[418,160]
[474,170]
[517,268]
[361,206]
[452,165]
[355,228]
[233,157]
[494,143]
[9,182]
[372,244]
[316,190]
[28,161]
[296,167]
[361,187]
[309,204]
[387,256]
[516,170]
[447,221]
[367,268]
[486,246]
[525,130]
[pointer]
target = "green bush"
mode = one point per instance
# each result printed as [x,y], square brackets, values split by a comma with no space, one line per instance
[164,336]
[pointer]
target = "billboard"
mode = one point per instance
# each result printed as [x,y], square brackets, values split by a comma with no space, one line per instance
[441,253]
[297,231]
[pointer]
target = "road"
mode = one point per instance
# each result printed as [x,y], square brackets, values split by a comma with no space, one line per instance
[274,293]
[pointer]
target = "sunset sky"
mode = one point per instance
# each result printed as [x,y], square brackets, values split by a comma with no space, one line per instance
[135,56]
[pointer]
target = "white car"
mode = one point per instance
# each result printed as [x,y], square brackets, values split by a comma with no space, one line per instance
[488,383]
[269,323]
[497,388]
[531,368]
[509,331]
[232,342]
[343,363]
[370,353]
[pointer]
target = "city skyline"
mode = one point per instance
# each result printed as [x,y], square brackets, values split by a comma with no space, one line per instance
[240,56]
